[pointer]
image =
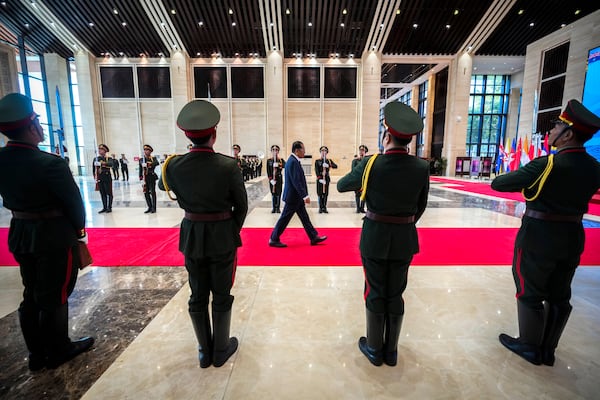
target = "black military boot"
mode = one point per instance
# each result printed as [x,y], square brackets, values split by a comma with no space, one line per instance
[30,327]
[223,345]
[393,324]
[556,320]
[274,204]
[372,345]
[531,331]
[59,348]
[325,204]
[153,210]
[201,323]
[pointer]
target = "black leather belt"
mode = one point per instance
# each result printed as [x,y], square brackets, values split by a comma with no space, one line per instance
[552,217]
[40,215]
[389,218]
[212,217]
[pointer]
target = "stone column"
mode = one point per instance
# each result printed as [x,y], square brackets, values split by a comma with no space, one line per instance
[370,81]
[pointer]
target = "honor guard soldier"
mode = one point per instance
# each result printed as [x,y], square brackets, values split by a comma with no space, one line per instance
[48,219]
[395,189]
[275,166]
[148,177]
[115,168]
[210,188]
[323,166]
[102,167]
[362,153]
[557,189]
[124,167]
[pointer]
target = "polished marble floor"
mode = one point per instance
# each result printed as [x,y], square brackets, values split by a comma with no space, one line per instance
[298,327]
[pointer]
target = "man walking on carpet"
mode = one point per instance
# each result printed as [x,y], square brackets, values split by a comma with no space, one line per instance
[210,188]
[395,189]
[48,218]
[295,195]
[549,243]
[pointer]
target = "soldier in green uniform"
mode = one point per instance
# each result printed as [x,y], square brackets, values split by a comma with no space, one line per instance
[323,166]
[396,190]
[210,188]
[275,166]
[148,177]
[48,218]
[102,167]
[362,153]
[549,244]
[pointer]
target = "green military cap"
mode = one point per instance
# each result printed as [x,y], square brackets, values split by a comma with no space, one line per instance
[275,147]
[323,148]
[363,147]
[236,147]
[148,147]
[198,119]
[580,118]
[16,111]
[103,146]
[401,120]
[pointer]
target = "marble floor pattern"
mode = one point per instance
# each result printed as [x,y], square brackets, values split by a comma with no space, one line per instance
[298,327]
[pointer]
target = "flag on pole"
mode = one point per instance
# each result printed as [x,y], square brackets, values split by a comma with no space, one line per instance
[524,153]
[516,161]
[500,159]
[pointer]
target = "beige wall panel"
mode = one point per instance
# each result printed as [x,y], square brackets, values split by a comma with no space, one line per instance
[121,131]
[248,126]
[224,140]
[158,124]
[340,133]
[304,124]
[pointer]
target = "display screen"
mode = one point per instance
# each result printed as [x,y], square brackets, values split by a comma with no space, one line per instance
[117,82]
[210,82]
[591,97]
[304,83]
[154,82]
[247,83]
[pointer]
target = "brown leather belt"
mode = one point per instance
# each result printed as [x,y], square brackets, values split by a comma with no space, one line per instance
[212,217]
[389,218]
[40,215]
[552,217]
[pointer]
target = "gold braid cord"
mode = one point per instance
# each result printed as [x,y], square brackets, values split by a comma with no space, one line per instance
[541,180]
[163,176]
[365,177]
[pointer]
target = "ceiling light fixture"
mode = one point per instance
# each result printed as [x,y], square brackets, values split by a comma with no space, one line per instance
[563,25]
[309,23]
[115,11]
[91,24]
[344,11]
[124,23]
[233,23]
[398,12]
[342,25]
[447,26]
[415,26]
[230,11]
[521,11]
[200,23]
[121,53]
[577,12]
[456,11]
[173,11]
[287,11]
[531,24]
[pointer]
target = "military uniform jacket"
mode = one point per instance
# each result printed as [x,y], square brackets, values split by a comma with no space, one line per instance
[39,182]
[207,182]
[319,168]
[355,162]
[103,172]
[277,175]
[398,186]
[574,179]
[151,163]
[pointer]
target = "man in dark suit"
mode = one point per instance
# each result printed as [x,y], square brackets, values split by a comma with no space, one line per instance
[295,195]
[210,188]
[48,218]
[395,190]
[275,166]
[549,244]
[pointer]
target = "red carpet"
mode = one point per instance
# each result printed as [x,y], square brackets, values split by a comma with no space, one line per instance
[485,188]
[439,246]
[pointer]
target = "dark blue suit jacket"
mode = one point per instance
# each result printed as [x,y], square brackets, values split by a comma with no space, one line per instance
[295,189]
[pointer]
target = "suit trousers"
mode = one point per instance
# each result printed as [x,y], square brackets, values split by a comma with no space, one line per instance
[385,282]
[291,208]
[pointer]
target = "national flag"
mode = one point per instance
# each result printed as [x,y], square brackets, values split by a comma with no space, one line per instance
[546,148]
[516,155]
[532,150]
[500,158]
[524,153]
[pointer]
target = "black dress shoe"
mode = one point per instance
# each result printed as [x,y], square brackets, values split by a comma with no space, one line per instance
[325,211]
[75,348]
[147,211]
[109,210]
[277,243]
[102,211]
[273,211]
[317,240]
[320,211]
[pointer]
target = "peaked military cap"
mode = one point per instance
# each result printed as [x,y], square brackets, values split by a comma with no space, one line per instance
[198,119]
[363,147]
[275,147]
[401,120]
[580,118]
[324,148]
[103,146]
[16,111]
[148,147]
[236,147]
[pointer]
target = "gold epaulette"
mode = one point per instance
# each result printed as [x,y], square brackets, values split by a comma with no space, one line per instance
[164,176]
[365,177]
[540,181]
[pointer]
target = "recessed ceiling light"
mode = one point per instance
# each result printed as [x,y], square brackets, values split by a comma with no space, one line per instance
[344,11]
[398,12]
[121,53]
[309,23]
[521,11]
[124,23]
[577,12]
[531,23]
[271,24]
[200,23]
[198,54]
[415,26]
[233,23]
[287,11]
[230,11]
[448,26]
[381,26]
[115,11]
[173,11]
[90,24]
[563,25]
[456,11]
[342,24]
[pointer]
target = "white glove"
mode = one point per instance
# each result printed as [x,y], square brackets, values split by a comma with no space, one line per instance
[322,181]
[273,182]
[325,165]
[97,163]
[275,165]
[83,239]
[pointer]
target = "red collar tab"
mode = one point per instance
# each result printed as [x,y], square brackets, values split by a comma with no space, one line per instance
[202,150]
[396,151]
[201,133]
[22,145]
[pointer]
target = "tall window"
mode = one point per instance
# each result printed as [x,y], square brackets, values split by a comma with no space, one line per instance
[488,108]
[406,98]
[423,89]
[35,82]
[76,112]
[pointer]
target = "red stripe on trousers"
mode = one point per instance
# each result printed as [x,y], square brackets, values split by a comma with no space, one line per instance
[63,290]
[518,269]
